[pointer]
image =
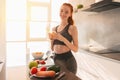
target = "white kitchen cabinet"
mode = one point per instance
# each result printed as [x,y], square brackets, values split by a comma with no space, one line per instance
[96,67]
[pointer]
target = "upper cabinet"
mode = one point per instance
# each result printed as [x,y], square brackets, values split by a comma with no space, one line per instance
[103,5]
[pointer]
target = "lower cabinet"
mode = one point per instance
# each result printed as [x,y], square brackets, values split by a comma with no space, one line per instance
[95,67]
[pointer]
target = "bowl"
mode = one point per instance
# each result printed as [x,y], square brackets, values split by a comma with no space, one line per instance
[37,55]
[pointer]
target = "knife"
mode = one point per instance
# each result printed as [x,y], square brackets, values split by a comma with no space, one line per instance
[60,76]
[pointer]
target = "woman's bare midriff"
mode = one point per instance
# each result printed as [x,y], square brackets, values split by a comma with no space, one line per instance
[60,49]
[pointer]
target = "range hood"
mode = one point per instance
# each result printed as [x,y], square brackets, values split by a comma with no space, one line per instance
[103,5]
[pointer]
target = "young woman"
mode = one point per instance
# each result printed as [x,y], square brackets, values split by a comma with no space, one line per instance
[64,40]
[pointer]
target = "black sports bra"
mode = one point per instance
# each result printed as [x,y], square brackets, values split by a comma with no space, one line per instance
[65,34]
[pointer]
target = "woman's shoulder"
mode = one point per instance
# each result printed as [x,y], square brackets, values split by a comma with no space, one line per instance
[72,27]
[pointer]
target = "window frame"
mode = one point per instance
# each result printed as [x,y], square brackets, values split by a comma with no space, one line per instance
[35,4]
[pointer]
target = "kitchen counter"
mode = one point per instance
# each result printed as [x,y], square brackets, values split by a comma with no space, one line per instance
[114,56]
[98,66]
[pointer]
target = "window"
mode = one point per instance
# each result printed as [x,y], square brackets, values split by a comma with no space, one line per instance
[27,25]
[38,18]
[15,32]
[39,0]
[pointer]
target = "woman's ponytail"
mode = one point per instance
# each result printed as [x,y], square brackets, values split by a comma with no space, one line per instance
[70,20]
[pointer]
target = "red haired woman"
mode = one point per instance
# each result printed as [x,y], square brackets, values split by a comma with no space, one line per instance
[64,40]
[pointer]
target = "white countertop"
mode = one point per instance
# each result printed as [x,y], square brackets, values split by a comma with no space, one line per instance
[103,56]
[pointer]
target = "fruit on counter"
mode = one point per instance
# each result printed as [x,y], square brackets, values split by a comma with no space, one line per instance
[52,35]
[38,61]
[46,73]
[54,68]
[43,68]
[33,64]
[79,6]
[33,70]
[42,62]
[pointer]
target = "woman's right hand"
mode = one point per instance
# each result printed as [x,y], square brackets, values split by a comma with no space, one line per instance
[52,35]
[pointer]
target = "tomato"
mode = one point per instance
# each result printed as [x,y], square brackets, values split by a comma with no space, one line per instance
[33,70]
[43,68]
[42,62]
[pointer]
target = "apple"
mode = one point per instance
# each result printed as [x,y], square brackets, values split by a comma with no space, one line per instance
[33,64]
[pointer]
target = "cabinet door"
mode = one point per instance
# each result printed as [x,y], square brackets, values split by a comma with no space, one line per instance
[86,67]
[98,67]
[108,69]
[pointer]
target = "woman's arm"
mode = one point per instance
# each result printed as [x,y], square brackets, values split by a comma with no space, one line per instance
[51,39]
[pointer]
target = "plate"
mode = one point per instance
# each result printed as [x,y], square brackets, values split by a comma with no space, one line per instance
[44,77]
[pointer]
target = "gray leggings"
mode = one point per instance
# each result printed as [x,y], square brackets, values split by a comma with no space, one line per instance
[66,61]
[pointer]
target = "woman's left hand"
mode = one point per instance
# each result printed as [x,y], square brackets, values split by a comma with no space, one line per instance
[60,37]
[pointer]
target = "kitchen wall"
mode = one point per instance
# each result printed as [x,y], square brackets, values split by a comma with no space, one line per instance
[100,30]
[2,38]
